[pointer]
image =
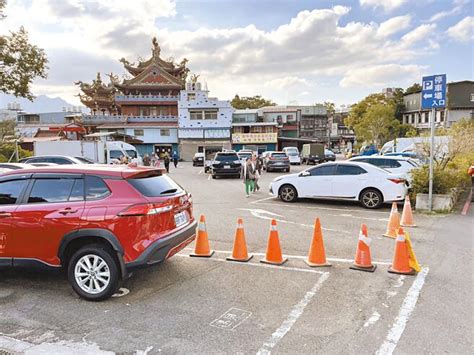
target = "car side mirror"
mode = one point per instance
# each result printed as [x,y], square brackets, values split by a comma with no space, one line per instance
[305,173]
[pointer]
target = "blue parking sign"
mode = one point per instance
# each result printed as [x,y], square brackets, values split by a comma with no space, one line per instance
[433,93]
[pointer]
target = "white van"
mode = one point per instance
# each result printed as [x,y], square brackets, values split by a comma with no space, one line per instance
[293,154]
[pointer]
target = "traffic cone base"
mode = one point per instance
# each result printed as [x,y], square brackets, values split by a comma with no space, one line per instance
[363,268]
[309,263]
[211,253]
[392,271]
[265,261]
[230,258]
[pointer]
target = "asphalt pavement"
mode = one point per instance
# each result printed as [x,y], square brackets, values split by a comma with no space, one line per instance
[189,305]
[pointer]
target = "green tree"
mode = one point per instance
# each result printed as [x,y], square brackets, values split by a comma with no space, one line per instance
[330,107]
[377,125]
[414,88]
[251,102]
[359,109]
[20,62]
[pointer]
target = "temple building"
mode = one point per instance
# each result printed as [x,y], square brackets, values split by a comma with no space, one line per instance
[143,106]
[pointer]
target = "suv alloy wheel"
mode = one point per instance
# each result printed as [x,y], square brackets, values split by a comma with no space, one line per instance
[93,272]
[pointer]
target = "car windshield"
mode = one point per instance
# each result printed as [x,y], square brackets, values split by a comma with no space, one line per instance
[278,155]
[131,153]
[226,157]
[292,152]
[328,152]
[85,160]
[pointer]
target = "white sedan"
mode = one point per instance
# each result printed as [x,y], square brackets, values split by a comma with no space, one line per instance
[352,181]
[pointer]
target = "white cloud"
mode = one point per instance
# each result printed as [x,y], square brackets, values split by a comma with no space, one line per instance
[418,34]
[313,46]
[287,82]
[394,25]
[386,75]
[457,7]
[388,5]
[463,31]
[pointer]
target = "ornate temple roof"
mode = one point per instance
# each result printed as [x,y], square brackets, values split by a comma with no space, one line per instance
[98,94]
[155,72]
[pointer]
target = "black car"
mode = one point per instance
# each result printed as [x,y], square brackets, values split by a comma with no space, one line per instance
[198,159]
[329,155]
[226,164]
[276,161]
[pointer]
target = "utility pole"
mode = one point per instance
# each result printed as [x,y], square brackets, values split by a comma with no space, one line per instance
[432,129]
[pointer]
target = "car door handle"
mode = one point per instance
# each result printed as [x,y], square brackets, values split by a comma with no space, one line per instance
[67,211]
[5,214]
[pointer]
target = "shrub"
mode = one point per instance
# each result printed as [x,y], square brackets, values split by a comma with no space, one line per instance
[443,179]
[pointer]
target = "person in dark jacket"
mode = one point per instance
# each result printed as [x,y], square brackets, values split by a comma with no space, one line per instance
[175,159]
[166,160]
[248,176]
[258,171]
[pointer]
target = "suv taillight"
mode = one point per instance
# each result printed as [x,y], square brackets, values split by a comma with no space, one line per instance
[145,209]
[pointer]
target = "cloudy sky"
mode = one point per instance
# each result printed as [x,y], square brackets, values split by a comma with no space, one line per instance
[292,51]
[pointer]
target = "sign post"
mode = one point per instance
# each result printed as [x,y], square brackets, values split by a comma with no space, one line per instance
[433,95]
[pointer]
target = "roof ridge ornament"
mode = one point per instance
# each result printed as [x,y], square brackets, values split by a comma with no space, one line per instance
[156,48]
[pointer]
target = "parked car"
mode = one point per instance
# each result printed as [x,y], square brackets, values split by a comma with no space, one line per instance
[329,155]
[312,153]
[244,155]
[57,159]
[395,165]
[14,166]
[276,161]
[293,154]
[198,159]
[226,164]
[98,223]
[352,181]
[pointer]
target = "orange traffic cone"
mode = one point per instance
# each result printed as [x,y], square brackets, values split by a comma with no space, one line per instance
[407,215]
[401,259]
[239,251]
[363,261]
[317,254]
[202,248]
[273,255]
[393,222]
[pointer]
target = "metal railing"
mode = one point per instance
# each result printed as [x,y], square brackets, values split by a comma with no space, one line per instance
[150,97]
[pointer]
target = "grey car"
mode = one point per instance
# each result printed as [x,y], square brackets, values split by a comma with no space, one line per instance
[276,161]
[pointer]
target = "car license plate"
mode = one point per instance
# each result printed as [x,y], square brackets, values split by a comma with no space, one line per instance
[226,166]
[180,219]
[279,163]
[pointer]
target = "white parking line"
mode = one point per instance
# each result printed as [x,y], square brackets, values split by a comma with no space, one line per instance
[407,308]
[302,257]
[293,205]
[295,313]
[268,266]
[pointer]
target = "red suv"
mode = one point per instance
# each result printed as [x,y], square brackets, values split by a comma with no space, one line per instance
[97,222]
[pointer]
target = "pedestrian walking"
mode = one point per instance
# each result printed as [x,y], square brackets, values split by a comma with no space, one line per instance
[157,161]
[248,176]
[166,160]
[470,171]
[258,171]
[146,160]
[175,158]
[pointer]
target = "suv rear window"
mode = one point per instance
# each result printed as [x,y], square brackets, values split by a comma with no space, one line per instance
[96,188]
[278,155]
[155,186]
[227,157]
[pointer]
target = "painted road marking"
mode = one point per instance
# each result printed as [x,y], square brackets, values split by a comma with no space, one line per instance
[231,319]
[209,177]
[407,308]
[268,266]
[295,313]
[372,320]
[303,257]
[267,215]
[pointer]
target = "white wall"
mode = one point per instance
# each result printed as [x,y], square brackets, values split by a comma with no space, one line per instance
[153,135]
[201,102]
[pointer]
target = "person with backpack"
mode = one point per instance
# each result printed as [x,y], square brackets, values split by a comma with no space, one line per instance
[248,176]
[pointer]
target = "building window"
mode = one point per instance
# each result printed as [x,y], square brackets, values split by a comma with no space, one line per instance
[257,129]
[165,132]
[138,132]
[210,115]
[238,129]
[268,129]
[195,115]
[191,96]
[153,111]
[144,111]
[472,97]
